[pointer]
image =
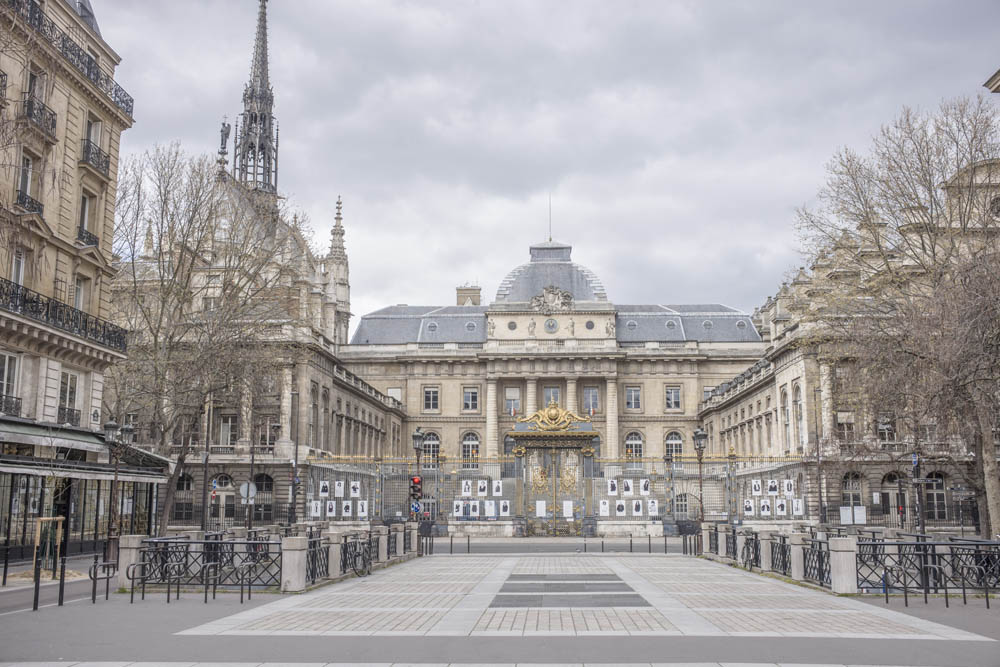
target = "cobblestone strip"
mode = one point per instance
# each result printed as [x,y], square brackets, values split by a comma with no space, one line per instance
[462,618]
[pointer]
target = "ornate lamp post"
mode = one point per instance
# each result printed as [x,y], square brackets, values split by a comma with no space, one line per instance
[118,440]
[418,445]
[699,447]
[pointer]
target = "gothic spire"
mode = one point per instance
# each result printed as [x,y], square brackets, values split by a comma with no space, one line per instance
[255,162]
[337,249]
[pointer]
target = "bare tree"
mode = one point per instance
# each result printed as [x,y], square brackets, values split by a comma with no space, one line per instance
[204,282]
[906,241]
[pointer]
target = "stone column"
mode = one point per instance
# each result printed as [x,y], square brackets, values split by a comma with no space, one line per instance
[492,426]
[285,434]
[411,527]
[383,542]
[843,564]
[765,537]
[531,397]
[798,565]
[740,541]
[571,394]
[293,563]
[243,425]
[128,553]
[706,539]
[305,403]
[610,449]
[342,440]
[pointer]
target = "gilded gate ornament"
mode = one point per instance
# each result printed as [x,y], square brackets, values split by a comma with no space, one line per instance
[553,418]
[539,479]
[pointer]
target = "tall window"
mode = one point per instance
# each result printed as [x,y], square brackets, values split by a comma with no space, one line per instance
[550,395]
[431,399]
[8,375]
[67,390]
[633,398]
[785,420]
[470,398]
[935,494]
[673,398]
[27,166]
[432,447]
[800,424]
[470,451]
[845,426]
[885,427]
[674,444]
[633,445]
[850,489]
[227,430]
[681,505]
[17,266]
[512,400]
[81,292]
[86,202]
[591,400]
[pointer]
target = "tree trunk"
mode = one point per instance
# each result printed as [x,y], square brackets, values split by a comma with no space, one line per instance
[991,477]
[167,510]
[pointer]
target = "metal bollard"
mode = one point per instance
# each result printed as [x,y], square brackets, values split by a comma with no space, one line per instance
[664,545]
[6,562]
[468,544]
[584,544]
[602,545]
[650,537]
[93,593]
[62,580]
[38,581]
[630,542]
[451,544]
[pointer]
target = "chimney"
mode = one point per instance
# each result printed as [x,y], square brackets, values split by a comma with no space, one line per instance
[467,295]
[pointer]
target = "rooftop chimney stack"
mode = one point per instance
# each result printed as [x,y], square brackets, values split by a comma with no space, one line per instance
[468,295]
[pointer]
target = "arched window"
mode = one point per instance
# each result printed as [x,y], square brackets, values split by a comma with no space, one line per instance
[786,421]
[892,495]
[633,445]
[681,506]
[470,451]
[432,448]
[800,423]
[674,444]
[935,494]
[264,483]
[850,489]
[185,482]
[223,481]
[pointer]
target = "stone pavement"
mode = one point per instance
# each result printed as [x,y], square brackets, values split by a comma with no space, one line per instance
[578,595]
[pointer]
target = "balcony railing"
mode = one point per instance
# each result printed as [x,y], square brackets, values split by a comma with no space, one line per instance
[86,237]
[10,405]
[39,114]
[68,416]
[28,203]
[32,14]
[92,154]
[3,88]
[20,300]
[222,449]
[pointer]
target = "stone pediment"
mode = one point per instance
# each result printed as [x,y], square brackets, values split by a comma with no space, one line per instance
[552,300]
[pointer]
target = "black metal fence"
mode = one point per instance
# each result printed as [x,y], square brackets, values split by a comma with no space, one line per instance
[713,540]
[928,565]
[191,562]
[731,545]
[317,560]
[816,562]
[781,555]
[751,549]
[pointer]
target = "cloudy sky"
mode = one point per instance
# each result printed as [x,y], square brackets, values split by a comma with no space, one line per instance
[675,138]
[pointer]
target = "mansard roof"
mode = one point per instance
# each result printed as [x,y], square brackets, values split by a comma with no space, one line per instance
[550,266]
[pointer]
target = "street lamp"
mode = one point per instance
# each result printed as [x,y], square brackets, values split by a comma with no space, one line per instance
[418,444]
[117,439]
[699,448]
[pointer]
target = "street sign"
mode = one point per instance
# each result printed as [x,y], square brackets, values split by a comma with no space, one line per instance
[415,507]
[915,460]
[215,483]
[248,489]
[924,480]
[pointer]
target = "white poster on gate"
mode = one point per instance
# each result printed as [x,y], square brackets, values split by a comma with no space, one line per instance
[797,508]
[644,487]
[636,508]
[747,507]
[474,508]
[568,509]
[846,517]
[491,508]
[755,487]
[324,489]
[504,508]
[331,508]
[466,488]
[362,508]
[860,515]
[653,507]
[789,488]
[497,488]
[483,488]
[355,489]
[456,508]
[772,487]
[338,489]
[612,487]
[620,508]
[315,508]
[780,507]
[627,487]
[765,507]
[605,508]
[540,509]
[345,508]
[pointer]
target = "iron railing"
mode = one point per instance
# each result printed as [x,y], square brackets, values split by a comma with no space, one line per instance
[407,542]
[317,560]
[10,405]
[39,114]
[391,549]
[816,562]
[3,88]
[69,416]
[32,14]
[751,550]
[20,300]
[731,545]
[87,238]
[713,540]
[247,562]
[28,203]
[92,154]
[921,564]
[356,555]
[781,555]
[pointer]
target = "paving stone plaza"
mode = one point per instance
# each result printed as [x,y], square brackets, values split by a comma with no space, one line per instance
[513,609]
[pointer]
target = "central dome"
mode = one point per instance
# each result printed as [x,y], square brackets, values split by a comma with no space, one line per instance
[550,266]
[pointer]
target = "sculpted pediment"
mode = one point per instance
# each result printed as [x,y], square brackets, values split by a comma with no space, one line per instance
[552,300]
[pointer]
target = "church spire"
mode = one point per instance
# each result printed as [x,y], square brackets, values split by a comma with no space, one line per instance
[337,249]
[255,161]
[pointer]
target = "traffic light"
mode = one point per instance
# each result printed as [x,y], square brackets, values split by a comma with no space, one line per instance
[416,488]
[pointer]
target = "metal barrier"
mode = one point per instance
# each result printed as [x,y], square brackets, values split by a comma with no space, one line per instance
[426,545]
[317,560]
[391,548]
[690,545]
[731,545]
[106,570]
[781,555]
[751,550]
[355,555]
[713,540]
[816,562]
[192,561]
[407,542]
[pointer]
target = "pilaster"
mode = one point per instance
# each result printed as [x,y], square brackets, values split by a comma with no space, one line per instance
[492,426]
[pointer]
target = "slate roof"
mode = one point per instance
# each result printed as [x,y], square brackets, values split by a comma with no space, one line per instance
[705,323]
[550,265]
[398,325]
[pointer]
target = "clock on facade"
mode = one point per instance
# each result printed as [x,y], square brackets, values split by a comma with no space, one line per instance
[551,325]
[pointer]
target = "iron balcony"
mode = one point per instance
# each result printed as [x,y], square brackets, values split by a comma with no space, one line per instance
[92,155]
[10,405]
[86,238]
[22,301]
[69,416]
[28,203]
[40,115]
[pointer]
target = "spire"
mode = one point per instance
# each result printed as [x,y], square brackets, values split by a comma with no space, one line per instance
[147,245]
[337,249]
[255,162]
